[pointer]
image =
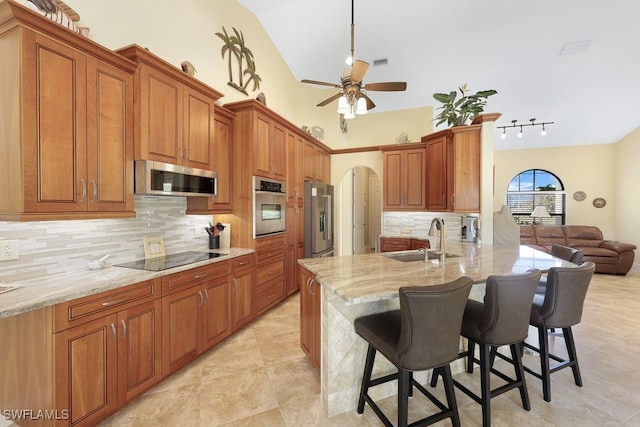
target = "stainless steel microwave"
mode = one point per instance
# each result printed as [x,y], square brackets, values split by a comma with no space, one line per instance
[173,180]
[269,206]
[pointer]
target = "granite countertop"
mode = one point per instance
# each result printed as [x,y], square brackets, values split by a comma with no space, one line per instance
[374,277]
[56,288]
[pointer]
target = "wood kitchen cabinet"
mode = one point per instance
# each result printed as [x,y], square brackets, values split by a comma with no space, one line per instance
[295,173]
[317,163]
[295,245]
[174,112]
[453,169]
[221,163]
[270,271]
[242,283]
[404,177]
[310,316]
[392,244]
[107,350]
[194,317]
[68,130]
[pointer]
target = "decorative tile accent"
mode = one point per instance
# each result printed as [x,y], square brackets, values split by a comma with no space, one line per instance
[49,247]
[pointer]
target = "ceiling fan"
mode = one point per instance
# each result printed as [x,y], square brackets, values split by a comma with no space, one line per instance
[352,97]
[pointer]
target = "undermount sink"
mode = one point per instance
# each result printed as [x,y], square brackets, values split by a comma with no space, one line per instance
[417,256]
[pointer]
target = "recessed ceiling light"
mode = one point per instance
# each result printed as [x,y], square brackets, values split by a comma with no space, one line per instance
[574,47]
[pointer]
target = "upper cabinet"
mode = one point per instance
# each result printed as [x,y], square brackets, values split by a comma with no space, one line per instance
[317,163]
[174,113]
[404,177]
[453,169]
[67,132]
[221,163]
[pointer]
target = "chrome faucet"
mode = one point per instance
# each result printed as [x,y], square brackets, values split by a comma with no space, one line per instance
[439,225]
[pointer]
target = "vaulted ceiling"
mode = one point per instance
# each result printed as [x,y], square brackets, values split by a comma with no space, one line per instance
[572,62]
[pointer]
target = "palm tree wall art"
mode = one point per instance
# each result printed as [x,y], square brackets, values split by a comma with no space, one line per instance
[234,47]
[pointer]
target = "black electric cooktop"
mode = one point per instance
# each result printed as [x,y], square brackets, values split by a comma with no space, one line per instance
[170,261]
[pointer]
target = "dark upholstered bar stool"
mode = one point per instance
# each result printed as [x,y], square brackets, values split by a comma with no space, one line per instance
[559,307]
[502,319]
[423,334]
[566,253]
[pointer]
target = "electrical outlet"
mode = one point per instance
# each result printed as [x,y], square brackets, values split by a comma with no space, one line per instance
[9,250]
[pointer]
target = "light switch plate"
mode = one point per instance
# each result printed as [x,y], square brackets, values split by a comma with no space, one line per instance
[153,247]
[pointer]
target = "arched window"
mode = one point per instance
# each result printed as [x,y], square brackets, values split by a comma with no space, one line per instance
[536,187]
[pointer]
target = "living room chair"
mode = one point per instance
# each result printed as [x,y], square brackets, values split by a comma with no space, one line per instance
[502,319]
[424,334]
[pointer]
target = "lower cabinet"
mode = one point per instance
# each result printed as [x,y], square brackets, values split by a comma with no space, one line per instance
[111,354]
[392,244]
[310,316]
[241,282]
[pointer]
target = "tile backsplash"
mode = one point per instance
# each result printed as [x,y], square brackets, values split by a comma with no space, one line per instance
[416,224]
[49,247]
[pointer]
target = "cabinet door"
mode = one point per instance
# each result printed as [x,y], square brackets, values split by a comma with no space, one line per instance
[222,137]
[181,331]
[241,298]
[392,244]
[139,349]
[86,369]
[465,195]
[310,317]
[309,161]
[160,127]
[393,191]
[277,151]
[324,167]
[414,177]
[437,174]
[110,137]
[198,129]
[262,162]
[217,315]
[295,176]
[54,126]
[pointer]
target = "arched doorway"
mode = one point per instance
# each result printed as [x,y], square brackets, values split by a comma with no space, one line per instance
[360,190]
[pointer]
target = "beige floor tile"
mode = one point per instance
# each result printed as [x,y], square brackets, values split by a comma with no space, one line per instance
[260,377]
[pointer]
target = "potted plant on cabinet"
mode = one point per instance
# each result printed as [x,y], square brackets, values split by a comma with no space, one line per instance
[457,111]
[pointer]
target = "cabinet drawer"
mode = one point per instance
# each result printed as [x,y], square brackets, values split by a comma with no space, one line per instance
[239,263]
[81,310]
[269,296]
[394,244]
[268,272]
[187,278]
[269,247]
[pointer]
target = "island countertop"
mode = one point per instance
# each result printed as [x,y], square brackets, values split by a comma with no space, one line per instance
[374,277]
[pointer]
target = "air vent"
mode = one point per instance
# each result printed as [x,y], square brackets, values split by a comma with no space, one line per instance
[575,47]
[383,61]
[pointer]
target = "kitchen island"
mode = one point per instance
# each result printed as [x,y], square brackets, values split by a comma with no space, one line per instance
[353,286]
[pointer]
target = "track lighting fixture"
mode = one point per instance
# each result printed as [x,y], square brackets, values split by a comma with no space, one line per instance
[515,124]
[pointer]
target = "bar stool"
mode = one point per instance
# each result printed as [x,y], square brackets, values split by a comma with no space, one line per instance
[559,307]
[566,253]
[502,319]
[423,334]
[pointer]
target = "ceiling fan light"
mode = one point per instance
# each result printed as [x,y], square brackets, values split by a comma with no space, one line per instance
[361,107]
[349,60]
[343,105]
[349,114]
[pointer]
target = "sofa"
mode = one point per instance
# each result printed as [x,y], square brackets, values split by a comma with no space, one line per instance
[610,257]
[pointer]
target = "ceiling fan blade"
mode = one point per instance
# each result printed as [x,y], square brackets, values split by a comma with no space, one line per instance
[316,82]
[370,103]
[328,100]
[358,70]
[386,86]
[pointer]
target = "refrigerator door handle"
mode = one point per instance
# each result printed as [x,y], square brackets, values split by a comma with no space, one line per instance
[329,209]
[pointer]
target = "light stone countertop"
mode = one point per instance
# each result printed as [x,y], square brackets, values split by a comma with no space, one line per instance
[374,277]
[56,288]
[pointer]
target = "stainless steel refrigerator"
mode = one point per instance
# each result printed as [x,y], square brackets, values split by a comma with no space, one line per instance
[318,219]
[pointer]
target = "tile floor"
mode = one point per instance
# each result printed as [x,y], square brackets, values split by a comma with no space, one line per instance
[260,377]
